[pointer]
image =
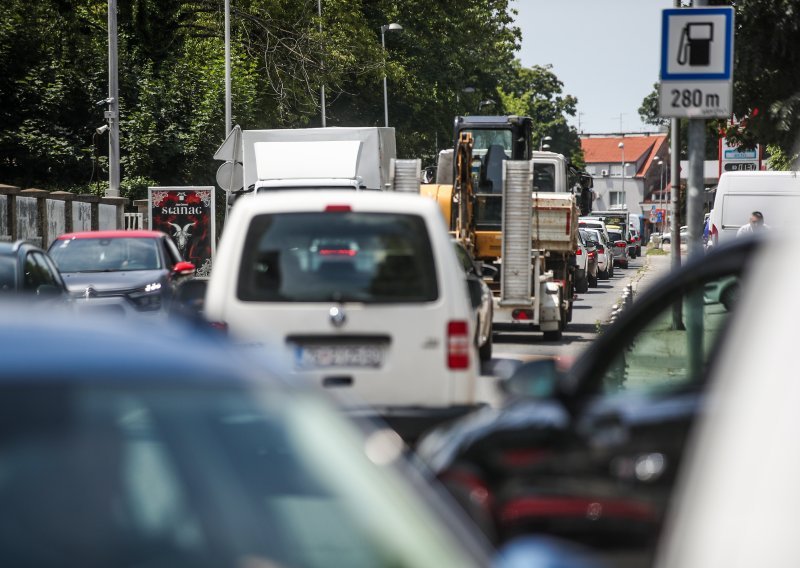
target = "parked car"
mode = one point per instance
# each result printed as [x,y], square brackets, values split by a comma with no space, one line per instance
[605,259]
[362,291]
[683,233]
[581,266]
[144,445]
[481,298]
[590,246]
[593,223]
[635,240]
[620,248]
[29,270]
[129,273]
[591,454]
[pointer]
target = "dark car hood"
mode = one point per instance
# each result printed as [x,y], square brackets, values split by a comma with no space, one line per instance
[439,448]
[112,281]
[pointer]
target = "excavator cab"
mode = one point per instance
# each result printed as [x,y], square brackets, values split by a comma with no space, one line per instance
[495,139]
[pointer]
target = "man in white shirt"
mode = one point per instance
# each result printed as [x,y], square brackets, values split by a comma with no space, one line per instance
[755,225]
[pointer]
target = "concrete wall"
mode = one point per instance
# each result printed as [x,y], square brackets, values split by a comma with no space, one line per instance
[28,219]
[37,215]
[81,216]
[56,220]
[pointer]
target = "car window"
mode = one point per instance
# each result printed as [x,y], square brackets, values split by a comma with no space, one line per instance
[672,350]
[8,274]
[614,236]
[36,274]
[337,256]
[464,259]
[106,254]
[46,273]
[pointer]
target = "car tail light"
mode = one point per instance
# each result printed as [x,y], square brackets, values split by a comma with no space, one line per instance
[337,252]
[338,209]
[579,251]
[458,345]
[620,244]
[601,249]
[714,234]
[219,326]
[591,255]
[632,240]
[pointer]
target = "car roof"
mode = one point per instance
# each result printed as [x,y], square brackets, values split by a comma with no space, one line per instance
[55,346]
[318,200]
[112,234]
[7,247]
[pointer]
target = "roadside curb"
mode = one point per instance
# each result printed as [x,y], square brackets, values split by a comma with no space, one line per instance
[630,290]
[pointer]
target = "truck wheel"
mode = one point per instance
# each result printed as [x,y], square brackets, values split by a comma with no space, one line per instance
[554,335]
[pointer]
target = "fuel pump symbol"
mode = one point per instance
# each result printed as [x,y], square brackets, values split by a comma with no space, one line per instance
[695,44]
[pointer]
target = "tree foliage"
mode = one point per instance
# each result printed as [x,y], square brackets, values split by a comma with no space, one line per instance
[53,68]
[766,88]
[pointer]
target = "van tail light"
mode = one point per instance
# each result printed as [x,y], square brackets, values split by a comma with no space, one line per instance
[714,234]
[632,240]
[458,345]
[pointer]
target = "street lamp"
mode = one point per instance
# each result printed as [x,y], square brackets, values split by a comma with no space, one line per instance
[487,102]
[387,28]
[621,146]
[542,144]
[660,162]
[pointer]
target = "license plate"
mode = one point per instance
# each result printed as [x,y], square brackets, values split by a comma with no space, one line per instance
[332,356]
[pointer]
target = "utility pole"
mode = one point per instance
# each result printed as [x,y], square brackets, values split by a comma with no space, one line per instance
[228,113]
[112,114]
[322,86]
[695,193]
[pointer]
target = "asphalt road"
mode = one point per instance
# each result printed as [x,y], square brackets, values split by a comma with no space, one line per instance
[590,311]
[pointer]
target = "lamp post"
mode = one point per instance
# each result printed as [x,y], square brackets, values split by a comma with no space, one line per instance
[322,86]
[542,144]
[386,28]
[487,102]
[621,146]
[660,162]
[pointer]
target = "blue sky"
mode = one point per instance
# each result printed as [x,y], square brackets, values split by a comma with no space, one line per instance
[605,53]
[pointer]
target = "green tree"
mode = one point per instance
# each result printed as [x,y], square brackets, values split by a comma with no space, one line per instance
[538,93]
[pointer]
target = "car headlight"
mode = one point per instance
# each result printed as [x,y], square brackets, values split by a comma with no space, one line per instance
[148,297]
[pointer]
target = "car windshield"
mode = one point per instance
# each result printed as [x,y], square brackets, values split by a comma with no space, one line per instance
[338,256]
[105,254]
[210,476]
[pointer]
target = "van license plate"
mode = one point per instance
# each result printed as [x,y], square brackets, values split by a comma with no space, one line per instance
[327,356]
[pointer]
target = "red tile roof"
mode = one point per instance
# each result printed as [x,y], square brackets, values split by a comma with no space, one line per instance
[605,150]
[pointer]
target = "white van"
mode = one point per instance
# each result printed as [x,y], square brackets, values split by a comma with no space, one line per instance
[361,290]
[775,194]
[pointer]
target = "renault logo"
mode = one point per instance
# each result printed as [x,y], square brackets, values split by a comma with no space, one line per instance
[338,316]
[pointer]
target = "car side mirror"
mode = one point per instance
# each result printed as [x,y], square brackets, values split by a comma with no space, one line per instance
[489,271]
[183,268]
[475,290]
[535,379]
